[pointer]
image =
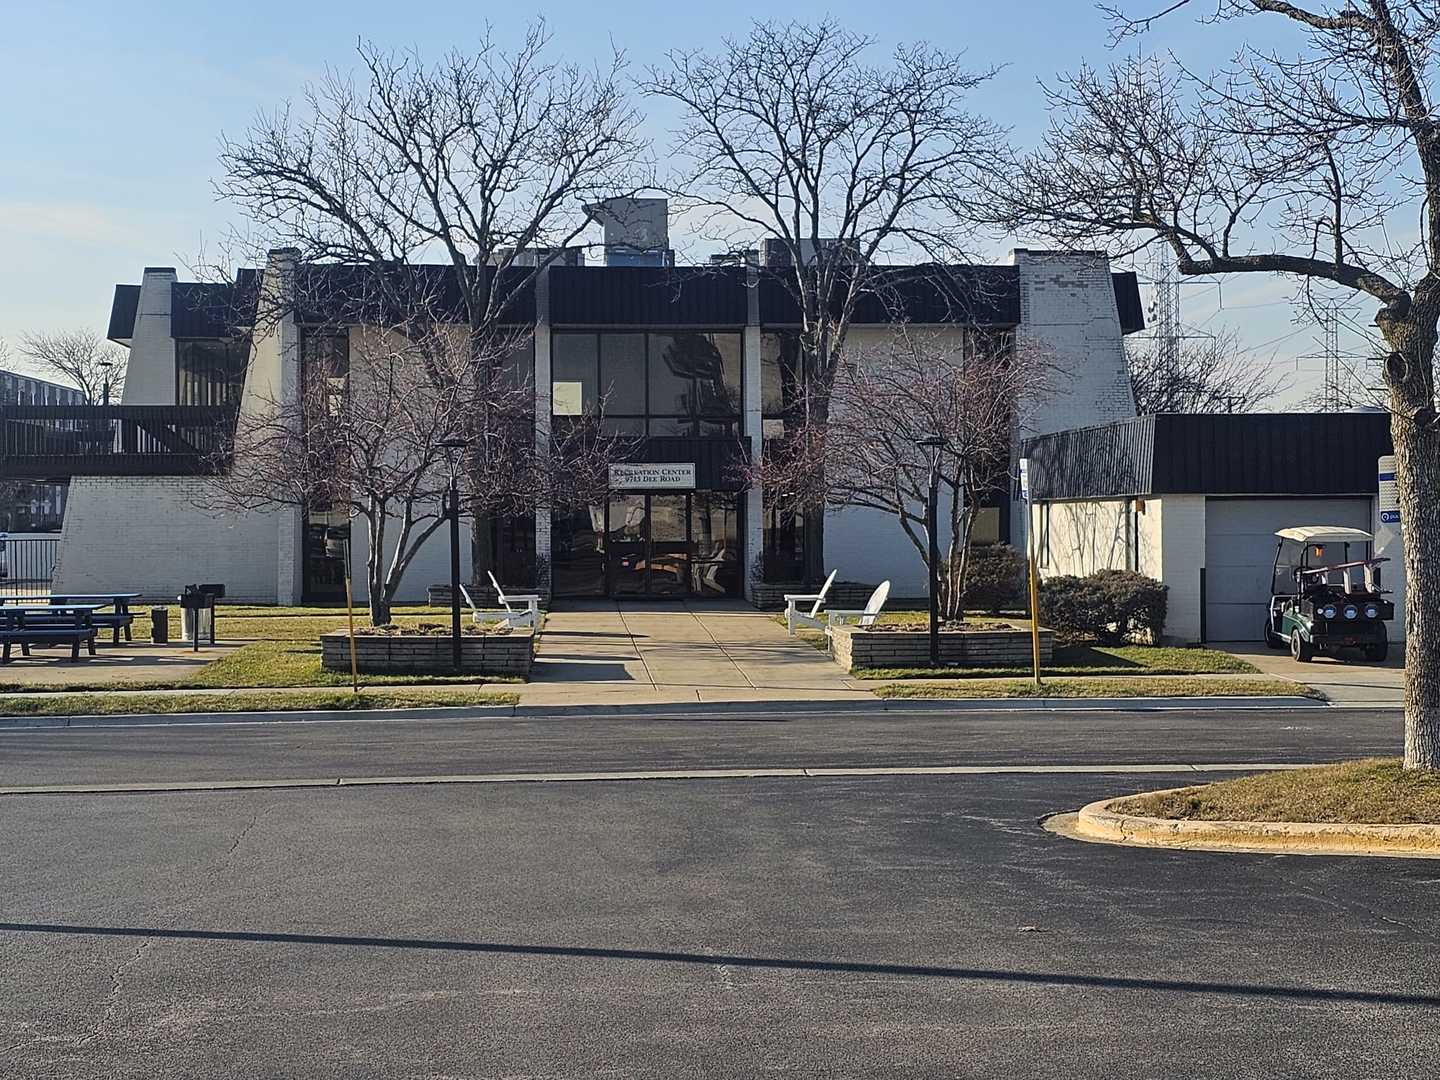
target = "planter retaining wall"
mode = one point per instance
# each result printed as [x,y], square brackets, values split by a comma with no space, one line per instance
[856,648]
[417,654]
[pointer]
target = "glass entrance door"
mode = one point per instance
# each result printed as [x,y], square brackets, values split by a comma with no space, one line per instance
[662,545]
[668,565]
[629,534]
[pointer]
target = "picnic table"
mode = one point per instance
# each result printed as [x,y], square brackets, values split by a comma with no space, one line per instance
[117,621]
[56,623]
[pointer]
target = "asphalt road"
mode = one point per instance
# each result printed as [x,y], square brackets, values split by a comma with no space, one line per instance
[719,739]
[889,927]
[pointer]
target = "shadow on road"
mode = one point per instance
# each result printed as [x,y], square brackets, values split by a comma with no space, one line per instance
[1034,978]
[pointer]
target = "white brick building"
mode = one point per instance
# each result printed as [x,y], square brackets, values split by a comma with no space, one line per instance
[694,359]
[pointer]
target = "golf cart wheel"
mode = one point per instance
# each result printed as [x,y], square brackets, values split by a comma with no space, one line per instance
[1377,653]
[1272,639]
[1301,649]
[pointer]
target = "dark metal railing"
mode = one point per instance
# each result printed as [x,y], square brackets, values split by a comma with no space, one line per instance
[60,441]
[27,565]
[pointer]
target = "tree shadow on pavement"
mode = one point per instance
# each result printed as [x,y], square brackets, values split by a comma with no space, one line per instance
[927,971]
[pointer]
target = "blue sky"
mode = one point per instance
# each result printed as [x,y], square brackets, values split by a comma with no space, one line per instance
[110,129]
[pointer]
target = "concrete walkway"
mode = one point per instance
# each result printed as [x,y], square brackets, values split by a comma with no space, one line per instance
[653,653]
[1345,682]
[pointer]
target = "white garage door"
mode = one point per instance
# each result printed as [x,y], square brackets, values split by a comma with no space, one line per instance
[1240,553]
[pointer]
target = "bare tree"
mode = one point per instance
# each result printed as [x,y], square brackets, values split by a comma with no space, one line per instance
[365,438]
[81,358]
[1323,166]
[1202,375]
[970,391]
[480,160]
[792,138]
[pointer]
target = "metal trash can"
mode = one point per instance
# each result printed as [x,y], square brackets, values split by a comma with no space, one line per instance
[197,615]
[160,625]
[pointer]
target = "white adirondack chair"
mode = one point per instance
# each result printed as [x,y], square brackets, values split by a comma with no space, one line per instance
[862,618]
[794,615]
[516,609]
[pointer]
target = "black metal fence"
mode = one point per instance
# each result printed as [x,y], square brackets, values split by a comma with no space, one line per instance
[60,441]
[27,564]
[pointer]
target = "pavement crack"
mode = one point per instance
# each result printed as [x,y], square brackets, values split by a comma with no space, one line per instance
[112,999]
[1350,905]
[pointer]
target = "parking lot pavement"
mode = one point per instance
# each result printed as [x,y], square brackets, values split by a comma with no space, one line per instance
[1345,682]
[896,927]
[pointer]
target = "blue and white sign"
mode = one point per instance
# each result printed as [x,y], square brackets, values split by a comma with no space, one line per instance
[1388,497]
[1025,479]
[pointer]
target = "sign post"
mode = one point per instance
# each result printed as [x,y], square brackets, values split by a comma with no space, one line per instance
[1032,574]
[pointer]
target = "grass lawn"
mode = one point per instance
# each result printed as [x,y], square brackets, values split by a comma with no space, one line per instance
[1375,791]
[1115,660]
[1128,686]
[286,652]
[275,701]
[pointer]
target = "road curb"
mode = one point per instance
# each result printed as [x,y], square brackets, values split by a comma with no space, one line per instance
[1097,821]
[777,708]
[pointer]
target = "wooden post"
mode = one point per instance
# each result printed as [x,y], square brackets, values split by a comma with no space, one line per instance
[350,616]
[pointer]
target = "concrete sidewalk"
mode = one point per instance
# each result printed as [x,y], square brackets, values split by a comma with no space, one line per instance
[664,654]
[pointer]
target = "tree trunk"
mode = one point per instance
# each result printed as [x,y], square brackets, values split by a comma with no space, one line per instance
[1413,430]
[1417,460]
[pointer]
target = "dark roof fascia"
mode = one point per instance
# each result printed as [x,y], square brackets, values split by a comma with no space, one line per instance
[123,308]
[1127,301]
[1224,454]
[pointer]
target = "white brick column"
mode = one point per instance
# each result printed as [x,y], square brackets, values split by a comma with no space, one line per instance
[754,430]
[150,369]
[281,374]
[543,403]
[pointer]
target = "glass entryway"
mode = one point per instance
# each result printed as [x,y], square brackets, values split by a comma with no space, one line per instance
[650,544]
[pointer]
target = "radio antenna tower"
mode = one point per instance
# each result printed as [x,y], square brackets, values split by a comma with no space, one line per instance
[1164,318]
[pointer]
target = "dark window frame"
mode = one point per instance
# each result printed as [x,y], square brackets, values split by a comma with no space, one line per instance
[231,388]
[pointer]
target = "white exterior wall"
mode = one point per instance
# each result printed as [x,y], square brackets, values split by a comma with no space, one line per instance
[1091,534]
[1069,315]
[430,566]
[1182,557]
[150,369]
[869,545]
[153,535]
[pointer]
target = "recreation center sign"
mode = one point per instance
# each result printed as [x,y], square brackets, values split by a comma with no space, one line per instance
[661,476]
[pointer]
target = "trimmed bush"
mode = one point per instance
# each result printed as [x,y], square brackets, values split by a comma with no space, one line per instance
[994,578]
[1135,605]
[1110,606]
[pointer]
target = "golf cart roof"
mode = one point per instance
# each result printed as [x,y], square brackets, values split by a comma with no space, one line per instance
[1325,534]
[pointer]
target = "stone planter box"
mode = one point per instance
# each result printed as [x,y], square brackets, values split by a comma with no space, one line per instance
[845,595]
[424,654]
[856,648]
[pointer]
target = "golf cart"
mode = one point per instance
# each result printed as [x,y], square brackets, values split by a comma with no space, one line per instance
[1327,606]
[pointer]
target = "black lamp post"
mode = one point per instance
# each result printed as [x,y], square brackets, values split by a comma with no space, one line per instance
[452,510]
[105,387]
[933,443]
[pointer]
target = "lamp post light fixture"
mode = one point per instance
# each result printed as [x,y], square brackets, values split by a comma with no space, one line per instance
[105,386]
[935,444]
[453,448]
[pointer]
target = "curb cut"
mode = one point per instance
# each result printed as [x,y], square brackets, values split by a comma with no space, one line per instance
[770,709]
[1097,822]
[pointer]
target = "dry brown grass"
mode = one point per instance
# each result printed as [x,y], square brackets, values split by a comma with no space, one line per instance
[1375,791]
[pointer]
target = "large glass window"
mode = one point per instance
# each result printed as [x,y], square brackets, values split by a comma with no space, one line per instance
[210,372]
[656,384]
[622,373]
[574,376]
